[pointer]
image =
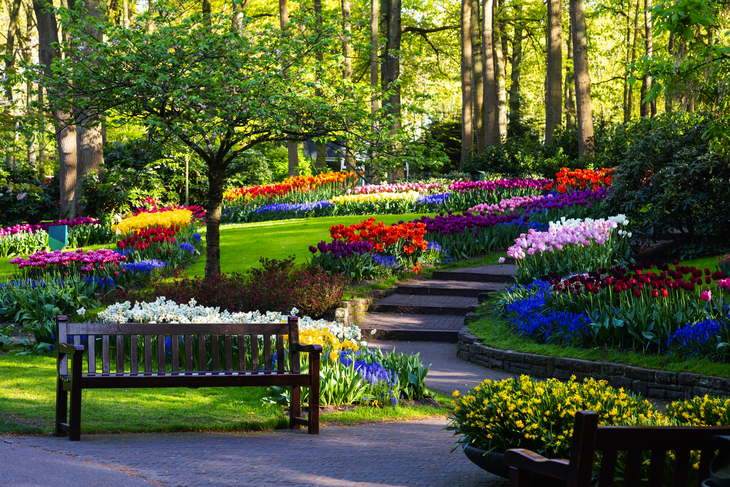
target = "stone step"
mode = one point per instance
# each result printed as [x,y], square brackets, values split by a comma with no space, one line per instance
[425,304]
[502,273]
[448,288]
[411,327]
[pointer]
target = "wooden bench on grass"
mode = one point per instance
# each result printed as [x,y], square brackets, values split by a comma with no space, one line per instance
[221,362]
[634,441]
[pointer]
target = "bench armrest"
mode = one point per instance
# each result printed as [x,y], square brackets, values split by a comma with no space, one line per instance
[532,462]
[302,347]
[67,348]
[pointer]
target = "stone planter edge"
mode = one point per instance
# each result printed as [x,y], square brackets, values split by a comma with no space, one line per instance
[659,384]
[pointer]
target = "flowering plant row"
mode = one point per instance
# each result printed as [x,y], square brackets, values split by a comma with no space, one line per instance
[571,246]
[177,218]
[25,239]
[570,179]
[539,416]
[329,182]
[421,188]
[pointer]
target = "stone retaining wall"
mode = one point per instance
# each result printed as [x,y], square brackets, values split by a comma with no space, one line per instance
[647,382]
[352,311]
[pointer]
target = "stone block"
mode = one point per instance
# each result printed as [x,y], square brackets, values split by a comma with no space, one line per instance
[640,387]
[562,374]
[613,370]
[514,357]
[621,382]
[663,377]
[540,360]
[687,379]
[657,393]
[716,383]
[638,373]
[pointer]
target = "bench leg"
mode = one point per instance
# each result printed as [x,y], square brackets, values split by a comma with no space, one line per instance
[61,407]
[313,428]
[74,422]
[295,408]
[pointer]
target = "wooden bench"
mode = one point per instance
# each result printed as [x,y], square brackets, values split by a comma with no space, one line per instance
[635,441]
[227,355]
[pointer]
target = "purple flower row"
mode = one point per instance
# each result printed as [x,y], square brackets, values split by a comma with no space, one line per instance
[538,184]
[458,223]
[573,198]
[339,248]
[27,228]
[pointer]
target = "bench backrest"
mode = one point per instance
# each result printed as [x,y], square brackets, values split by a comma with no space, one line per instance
[188,347]
[639,443]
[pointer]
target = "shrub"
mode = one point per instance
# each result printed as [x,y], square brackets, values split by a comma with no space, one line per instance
[277,286]
[671,184]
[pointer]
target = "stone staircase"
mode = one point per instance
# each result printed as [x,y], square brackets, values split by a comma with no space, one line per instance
[433,309]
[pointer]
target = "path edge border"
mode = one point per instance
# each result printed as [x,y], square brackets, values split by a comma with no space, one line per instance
[659,384]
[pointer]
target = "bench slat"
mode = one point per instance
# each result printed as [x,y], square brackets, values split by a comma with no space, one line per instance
[174,339]
[608,467]
[656,468]
[105,354]
[241,352]
[201,352]
[160,353]
[228,344]
[267,352]
[633,466]
[280,362]
[91,341]
[120,353]
[188,352]
[255,352]
[184,379]
[214,353]
[170,328]
[133,356]
[147,354]
[681,468]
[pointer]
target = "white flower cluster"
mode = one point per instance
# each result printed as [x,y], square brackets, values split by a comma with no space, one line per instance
[620,220]
[164,311]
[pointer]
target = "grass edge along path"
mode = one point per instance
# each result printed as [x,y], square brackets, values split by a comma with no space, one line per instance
[27,406]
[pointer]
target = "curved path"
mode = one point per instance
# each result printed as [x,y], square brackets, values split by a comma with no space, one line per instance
[414,453]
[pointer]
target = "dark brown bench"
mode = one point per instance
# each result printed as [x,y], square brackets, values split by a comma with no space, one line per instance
[233,351]
[635,441]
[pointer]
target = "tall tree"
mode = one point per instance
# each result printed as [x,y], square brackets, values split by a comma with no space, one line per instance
[554,75]
[500,47]
[467,116]
[65,131]
[516,64]
[374,46]
[347,67]
[569,85]
[477,77]
[630,90]
[390,66]
[584,112]
[10,44]
[319,55]
[648,107]
[89,137]
[292,147]
[491,118]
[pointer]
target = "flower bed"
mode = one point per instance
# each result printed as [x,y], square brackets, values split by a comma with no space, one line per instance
[539,416]
[176,218]
[25,239]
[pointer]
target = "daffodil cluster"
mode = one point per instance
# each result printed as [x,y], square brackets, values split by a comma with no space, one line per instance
[167,219]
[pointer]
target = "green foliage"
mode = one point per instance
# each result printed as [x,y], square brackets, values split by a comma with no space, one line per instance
[26,197]
[670,180]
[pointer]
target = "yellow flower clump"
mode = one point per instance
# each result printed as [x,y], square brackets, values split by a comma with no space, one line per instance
[375,198]
[329,342]
[166,219]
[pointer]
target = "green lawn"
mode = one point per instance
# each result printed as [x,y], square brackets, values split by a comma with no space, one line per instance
[27,405]
[243,245]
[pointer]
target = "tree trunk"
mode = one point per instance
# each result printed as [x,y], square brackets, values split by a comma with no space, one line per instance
[216,183]
[648,109]
[125,14]
[374,75]
[89,140]
[630,95]
[292,152]
[516,62]
[626,109]
[668,95]
[319,56]
[65,134]
[491,121]
[207,11]
[586,144]
[477,77]
[391,63]
[500,69]
[347,69]
[554,92]
[569,84]
[10,45]
[467,130]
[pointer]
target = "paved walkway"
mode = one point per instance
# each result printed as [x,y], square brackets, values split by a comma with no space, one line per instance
[414,453]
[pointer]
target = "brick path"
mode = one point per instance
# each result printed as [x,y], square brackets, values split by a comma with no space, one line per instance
[415,453]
